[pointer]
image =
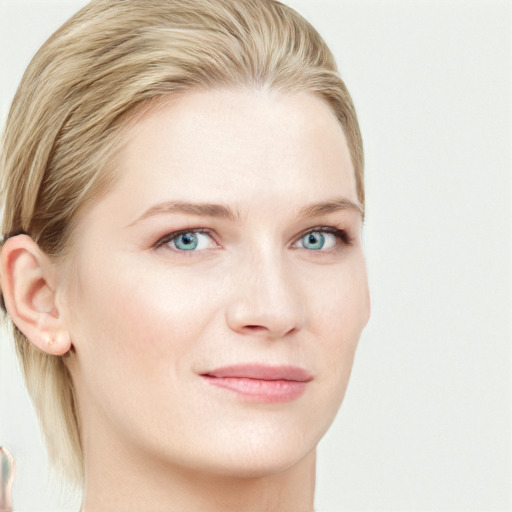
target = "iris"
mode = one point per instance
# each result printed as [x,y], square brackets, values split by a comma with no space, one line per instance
[186,241]
[314,240]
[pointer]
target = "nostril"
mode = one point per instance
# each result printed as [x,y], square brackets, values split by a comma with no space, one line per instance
[255,327]
[261,329]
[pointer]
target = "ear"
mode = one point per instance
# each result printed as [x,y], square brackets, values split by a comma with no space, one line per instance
[29,290]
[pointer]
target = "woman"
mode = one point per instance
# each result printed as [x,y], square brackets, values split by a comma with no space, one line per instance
[182,258]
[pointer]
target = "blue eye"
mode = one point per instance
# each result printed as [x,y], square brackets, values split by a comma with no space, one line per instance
[325,239]
[315,240]
[186,241]
[192,240]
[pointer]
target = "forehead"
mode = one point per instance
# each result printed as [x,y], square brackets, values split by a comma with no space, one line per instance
[270,139]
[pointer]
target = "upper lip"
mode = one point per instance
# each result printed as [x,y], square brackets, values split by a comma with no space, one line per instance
[262,372]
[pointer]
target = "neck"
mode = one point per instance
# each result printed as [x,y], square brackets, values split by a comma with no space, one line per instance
[114,484]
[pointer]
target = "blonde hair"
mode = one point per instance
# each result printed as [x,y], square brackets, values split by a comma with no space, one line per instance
[82,88]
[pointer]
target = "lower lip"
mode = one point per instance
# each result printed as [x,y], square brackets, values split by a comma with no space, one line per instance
[259,390]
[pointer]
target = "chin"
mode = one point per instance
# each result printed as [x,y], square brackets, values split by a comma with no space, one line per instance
[261,465]
[253,457]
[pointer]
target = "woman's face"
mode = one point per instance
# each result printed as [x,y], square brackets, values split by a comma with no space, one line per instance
[220,286]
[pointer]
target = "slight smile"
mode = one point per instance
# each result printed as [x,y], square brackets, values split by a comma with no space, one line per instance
[261,383]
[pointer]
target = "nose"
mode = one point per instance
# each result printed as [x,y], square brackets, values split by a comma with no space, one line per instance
[265,301]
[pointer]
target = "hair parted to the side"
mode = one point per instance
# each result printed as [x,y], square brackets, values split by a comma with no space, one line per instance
[82,88]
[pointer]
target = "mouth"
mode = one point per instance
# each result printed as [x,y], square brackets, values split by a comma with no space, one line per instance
[261,383]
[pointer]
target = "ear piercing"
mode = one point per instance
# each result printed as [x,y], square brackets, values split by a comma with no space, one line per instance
[49,340]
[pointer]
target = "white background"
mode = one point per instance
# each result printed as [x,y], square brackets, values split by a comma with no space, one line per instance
[426,420]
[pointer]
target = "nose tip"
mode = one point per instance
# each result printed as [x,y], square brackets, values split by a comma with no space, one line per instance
[266,305]
[272,325]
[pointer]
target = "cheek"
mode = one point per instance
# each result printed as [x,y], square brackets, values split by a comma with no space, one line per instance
[341,300]
[137,313]
[341,313]
[136,329]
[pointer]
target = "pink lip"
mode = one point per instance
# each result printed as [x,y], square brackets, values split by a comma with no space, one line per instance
[261,383]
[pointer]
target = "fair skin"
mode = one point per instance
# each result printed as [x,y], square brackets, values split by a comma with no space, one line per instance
[150,320]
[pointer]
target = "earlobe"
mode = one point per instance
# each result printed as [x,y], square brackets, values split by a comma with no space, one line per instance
[29,295]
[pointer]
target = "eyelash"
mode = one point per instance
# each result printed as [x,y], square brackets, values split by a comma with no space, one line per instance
[341,235]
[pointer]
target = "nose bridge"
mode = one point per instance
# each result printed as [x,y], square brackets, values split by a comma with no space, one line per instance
[265,298]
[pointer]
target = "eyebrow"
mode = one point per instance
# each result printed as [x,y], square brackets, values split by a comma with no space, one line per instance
[226,212]
[334,205]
